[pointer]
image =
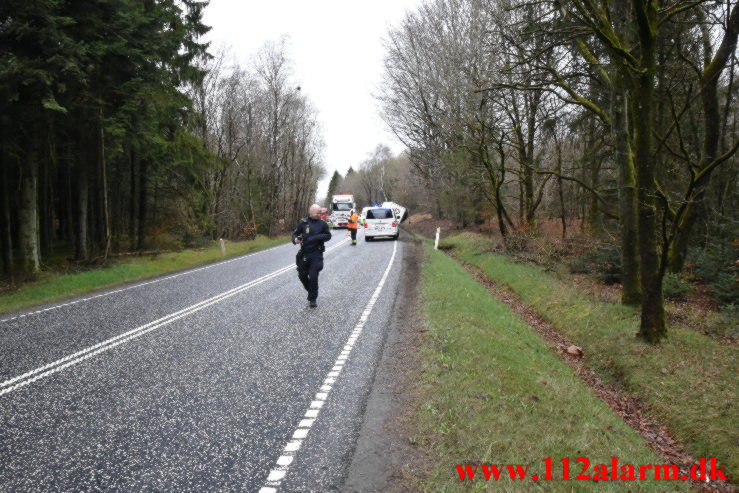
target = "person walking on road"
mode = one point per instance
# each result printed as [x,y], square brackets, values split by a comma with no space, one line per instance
[310,234]
[352,226]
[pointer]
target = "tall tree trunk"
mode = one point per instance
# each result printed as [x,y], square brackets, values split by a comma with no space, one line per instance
[45,203]
[653,324]
[5,234]
[521,203]
[28,211]
[132,201]
[560,187]
[96,214]
[594,212]
[143,209]
[67,215]
[628,203]
[80,237]
[100,140]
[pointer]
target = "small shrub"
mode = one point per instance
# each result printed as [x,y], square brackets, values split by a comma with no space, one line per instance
[580,265]
[604,262]
[726,322]
[194,240]
[715,264]
[725,287]
[675,287]
[166,242]
[519,241]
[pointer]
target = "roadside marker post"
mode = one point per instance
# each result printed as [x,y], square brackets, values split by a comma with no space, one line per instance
[436,243]
[223,247]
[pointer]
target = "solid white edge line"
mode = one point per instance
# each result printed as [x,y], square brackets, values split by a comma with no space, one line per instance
[79,356]
[282,465]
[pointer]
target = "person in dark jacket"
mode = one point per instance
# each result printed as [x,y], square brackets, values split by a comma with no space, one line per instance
[310,234]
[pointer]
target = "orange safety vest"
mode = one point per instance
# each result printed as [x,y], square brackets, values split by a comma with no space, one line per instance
[353,220]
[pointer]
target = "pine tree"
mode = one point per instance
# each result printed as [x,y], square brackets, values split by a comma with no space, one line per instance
[332,184]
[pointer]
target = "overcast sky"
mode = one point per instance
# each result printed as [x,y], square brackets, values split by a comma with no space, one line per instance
[336,48]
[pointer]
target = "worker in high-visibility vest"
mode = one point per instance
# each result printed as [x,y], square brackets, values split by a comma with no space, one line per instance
[352,226]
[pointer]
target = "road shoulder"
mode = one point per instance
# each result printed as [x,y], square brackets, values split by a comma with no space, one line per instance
[384,458]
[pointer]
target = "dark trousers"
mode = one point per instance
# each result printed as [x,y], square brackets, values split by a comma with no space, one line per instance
[308,274]
[353,233]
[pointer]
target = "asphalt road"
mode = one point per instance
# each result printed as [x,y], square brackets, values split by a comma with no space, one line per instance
[214,379]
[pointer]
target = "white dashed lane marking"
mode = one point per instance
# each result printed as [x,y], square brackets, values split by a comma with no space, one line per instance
[282,466]
[138,285]
[44,371]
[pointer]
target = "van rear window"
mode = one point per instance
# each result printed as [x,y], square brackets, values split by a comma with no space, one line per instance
[380,214]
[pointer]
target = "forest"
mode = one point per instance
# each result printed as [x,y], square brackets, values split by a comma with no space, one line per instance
[609,117]
[120,131]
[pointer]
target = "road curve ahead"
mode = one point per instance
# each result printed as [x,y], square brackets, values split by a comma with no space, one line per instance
[215,379]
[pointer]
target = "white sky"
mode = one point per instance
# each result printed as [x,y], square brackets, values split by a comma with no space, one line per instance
[336,49]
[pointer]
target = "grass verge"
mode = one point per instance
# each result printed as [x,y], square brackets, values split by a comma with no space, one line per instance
[496,394]
[689,380]
[54,286]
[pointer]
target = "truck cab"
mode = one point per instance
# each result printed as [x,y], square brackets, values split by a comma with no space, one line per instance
[341,209]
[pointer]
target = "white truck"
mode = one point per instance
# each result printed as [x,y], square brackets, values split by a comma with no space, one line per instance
[399,210]
[341,209]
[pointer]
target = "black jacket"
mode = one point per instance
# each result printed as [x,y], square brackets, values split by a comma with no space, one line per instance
[313,232]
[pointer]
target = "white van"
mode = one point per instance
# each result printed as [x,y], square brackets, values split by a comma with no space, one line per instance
[380,221]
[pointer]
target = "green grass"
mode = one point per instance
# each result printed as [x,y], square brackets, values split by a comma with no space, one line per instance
[54,286]
[689,380]
[496,394]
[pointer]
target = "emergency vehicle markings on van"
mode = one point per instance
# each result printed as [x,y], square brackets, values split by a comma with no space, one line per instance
[277,474]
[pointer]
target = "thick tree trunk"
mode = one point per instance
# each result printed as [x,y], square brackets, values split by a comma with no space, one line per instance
[627,201]
[653,324]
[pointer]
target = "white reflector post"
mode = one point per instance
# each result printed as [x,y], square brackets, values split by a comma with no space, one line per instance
[436,243]
[223,247]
